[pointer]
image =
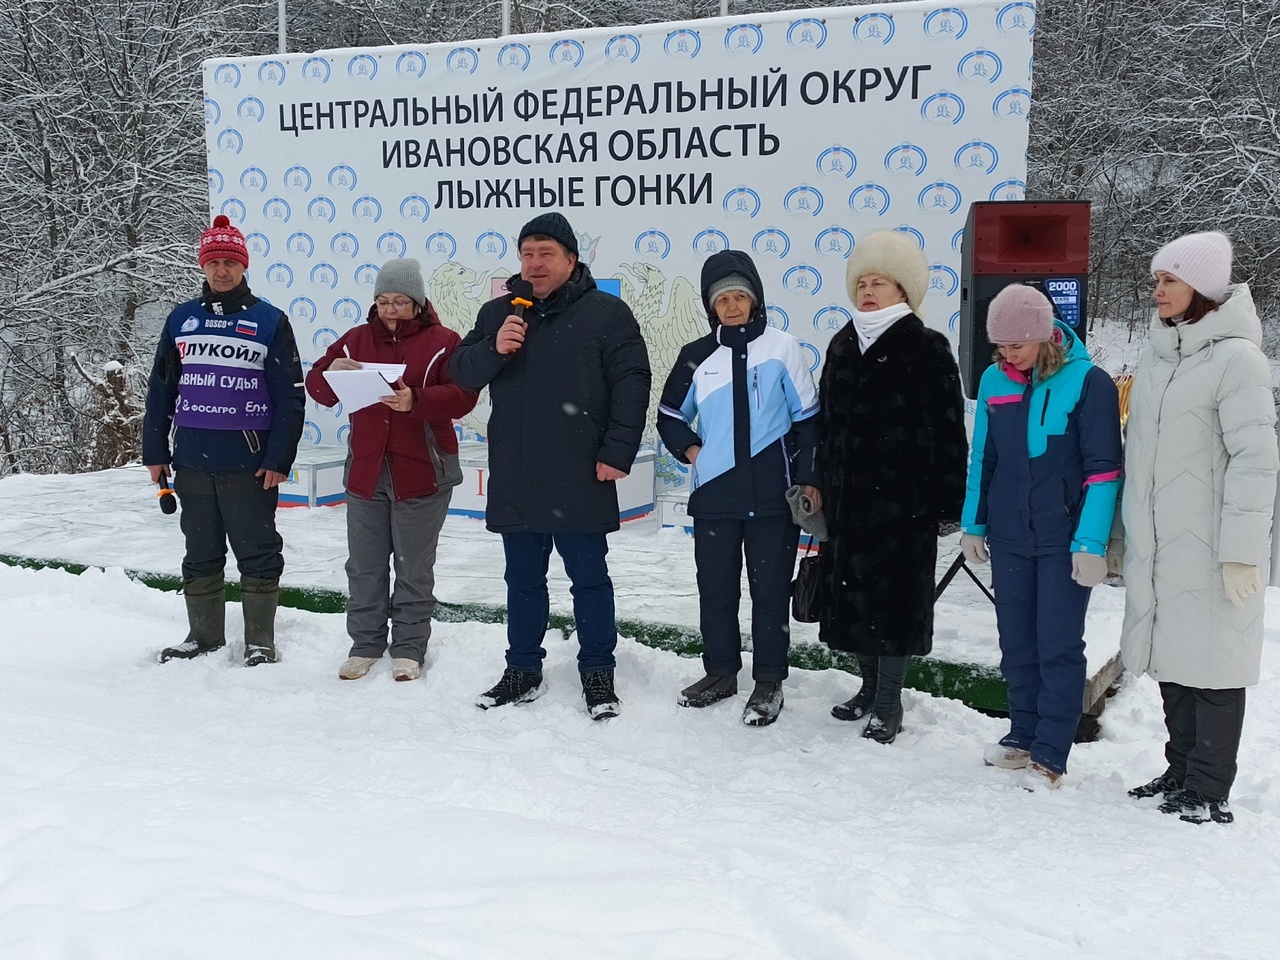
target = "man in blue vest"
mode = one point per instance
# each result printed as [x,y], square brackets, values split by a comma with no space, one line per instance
[227,383]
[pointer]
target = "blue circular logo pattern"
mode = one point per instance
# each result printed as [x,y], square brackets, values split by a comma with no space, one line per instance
[653,243]
[682,44]
[809,32]
[874,28]
[514,57]
[835,241]
[624,46]
[870,198]
[442,244]
[744,38]
[566,53]
[344,245]
[316,70]
[741,201]
[710,241]
[298,179]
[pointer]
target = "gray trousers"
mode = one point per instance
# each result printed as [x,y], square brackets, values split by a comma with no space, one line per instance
[407,532]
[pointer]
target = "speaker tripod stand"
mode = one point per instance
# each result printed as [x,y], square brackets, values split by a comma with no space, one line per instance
[957,565]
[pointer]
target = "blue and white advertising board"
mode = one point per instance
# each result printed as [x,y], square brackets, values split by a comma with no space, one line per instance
[788,135]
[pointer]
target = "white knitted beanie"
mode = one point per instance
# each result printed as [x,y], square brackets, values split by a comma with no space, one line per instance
[1200,260]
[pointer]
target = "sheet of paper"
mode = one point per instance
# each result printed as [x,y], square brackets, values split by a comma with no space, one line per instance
[357,389]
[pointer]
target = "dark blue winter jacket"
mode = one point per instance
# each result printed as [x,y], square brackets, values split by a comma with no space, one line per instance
[1044,471]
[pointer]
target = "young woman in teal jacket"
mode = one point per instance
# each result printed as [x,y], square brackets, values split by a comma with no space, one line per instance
[1044,474]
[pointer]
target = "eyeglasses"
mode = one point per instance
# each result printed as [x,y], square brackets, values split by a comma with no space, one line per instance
[400,303]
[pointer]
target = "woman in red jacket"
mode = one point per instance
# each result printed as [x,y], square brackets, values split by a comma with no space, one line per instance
[402,466]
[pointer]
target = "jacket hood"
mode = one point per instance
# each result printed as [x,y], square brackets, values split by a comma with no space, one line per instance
[1072,345]
[1237,318]
[724,264]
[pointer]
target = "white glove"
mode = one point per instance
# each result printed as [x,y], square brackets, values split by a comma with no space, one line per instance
[1088,569]
[1240,580]
[974,548]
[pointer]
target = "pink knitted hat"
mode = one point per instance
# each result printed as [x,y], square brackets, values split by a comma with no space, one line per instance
[1019,314]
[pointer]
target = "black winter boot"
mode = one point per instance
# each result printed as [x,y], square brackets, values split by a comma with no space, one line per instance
[516,686]
[206,619]
[597,690]
[860,704]
[259,599]
[1191,806]
[764,704]
[707,691]
[886,713]
[1166,783]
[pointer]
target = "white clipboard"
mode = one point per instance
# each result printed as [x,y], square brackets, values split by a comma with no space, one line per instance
[357,389]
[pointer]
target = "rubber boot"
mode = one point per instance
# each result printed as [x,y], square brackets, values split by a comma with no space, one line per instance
[259,599]
[206,600]
[886,713]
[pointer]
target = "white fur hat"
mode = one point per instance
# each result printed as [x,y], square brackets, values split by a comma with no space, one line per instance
[1200,260]
[895,256]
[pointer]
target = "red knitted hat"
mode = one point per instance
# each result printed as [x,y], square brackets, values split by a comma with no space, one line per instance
[223,241]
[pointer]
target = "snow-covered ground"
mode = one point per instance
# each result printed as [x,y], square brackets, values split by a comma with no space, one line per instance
[202,810]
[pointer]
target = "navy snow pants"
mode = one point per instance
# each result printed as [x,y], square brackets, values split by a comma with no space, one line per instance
[770,547]
[1040,615]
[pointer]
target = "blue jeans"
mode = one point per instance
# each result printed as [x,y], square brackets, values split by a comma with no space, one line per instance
[1040,614]
[529,605]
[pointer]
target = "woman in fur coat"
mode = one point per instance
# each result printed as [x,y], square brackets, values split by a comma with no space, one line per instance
[1200,465]
[894,452]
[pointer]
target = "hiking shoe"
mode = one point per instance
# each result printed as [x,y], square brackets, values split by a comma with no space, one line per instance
[353,668]
[253,656]
[1164,784]
[764,704]
[1038,779]
[707,691]
[884,728]
[516,686]
[858,706]
[1191,806]
[403,668]
[597,690]
[188,649]
[1006,758]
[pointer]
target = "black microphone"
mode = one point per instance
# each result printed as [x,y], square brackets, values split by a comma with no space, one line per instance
[521,295]
[168,502]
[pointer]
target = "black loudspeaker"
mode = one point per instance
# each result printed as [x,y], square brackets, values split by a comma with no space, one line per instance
[1045,244]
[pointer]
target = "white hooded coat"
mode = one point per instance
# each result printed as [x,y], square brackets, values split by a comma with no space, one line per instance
[1200,483]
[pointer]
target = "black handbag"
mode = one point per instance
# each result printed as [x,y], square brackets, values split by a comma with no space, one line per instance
[808,591]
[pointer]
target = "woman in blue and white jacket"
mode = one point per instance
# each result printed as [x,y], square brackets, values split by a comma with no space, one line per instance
[740,406]
[1044,475]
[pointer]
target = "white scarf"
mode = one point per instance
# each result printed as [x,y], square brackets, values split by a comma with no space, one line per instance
[870,326]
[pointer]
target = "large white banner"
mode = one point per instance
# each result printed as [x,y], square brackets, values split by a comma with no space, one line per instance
[788,135]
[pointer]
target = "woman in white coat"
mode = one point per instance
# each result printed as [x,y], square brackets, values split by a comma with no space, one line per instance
[1200,482]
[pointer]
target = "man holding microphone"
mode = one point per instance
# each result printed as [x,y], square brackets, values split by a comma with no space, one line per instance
[568,377]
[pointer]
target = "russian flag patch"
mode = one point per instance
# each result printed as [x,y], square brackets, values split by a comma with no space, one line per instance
[246,328]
